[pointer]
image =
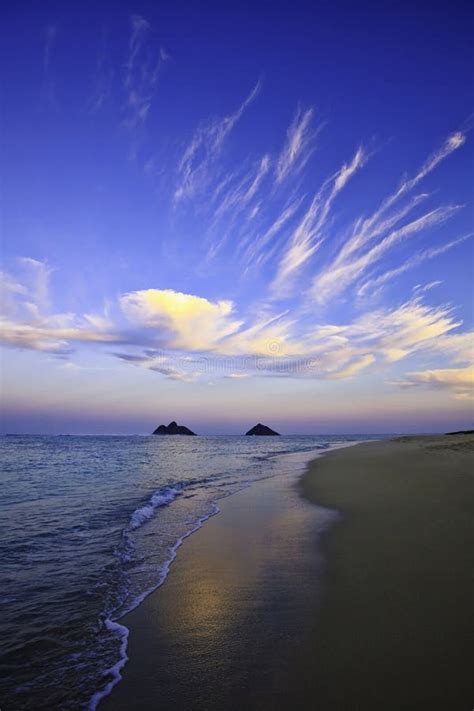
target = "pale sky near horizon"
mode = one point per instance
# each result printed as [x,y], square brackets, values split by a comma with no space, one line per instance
[229,213]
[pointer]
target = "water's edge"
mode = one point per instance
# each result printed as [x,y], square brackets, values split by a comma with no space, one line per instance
[122,632]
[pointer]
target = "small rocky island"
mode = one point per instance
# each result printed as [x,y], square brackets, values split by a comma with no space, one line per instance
[173,429]
[261,431]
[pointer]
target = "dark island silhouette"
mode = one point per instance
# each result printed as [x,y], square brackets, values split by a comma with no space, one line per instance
[261,431]
[173,429]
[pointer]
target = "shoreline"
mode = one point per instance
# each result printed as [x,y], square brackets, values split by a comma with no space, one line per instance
[222,561]
[115,671]
[310,644]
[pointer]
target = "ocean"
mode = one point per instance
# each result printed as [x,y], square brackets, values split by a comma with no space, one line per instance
[89,527]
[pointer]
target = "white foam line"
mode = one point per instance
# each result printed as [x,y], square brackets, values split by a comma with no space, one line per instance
[162,497]
[114,671]
[123,632]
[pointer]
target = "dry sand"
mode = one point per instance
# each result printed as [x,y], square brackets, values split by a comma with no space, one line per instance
[396,627]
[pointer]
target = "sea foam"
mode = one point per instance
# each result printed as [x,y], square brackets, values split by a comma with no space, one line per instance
[162,497]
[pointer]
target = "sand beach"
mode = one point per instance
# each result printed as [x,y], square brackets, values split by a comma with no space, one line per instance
[395,627]
[347,587]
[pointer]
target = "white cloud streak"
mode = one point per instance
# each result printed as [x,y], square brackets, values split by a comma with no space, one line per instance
[421,288]
[373,226]
[375,284]
[198,327]
[199,157]
[142,71]
[337,277]
[308,236]
[258,251]
[355,256]
[298,147]
[233,203]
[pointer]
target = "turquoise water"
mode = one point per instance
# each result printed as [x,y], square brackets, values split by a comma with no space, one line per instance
[89,527]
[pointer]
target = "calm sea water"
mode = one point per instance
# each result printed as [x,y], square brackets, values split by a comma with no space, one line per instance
[88,528]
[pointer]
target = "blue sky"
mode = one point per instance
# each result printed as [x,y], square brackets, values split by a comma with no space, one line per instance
[230,213]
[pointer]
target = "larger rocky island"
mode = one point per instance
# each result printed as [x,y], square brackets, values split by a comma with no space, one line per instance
[173,429]
[261,431]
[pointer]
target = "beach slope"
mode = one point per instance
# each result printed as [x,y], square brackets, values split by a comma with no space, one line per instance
[395,628]
[277,603]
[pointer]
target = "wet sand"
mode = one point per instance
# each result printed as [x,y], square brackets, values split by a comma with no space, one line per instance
[253,616]
[219,633]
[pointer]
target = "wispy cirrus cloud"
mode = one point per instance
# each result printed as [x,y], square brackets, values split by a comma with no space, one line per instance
[278,231]
[375,284]
[367,229]
[251,189]
[298,147]
[195,168]
[260,248]
[420,288]
[338,276]
[404,330]
[308,235]
[231,199]
[26,319]
[372,238]
[266,226]
[142,71]
[241,201]
[452,143]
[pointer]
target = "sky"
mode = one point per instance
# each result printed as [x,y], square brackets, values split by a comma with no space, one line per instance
[230,213]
